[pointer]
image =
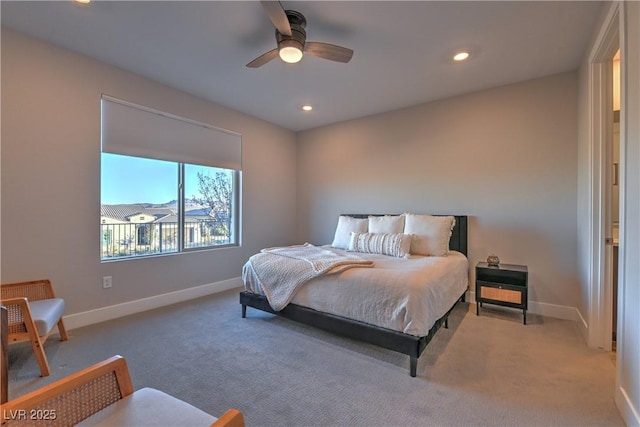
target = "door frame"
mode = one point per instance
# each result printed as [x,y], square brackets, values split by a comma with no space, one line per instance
[600,135]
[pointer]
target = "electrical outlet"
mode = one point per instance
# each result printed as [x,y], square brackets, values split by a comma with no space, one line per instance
[106,282]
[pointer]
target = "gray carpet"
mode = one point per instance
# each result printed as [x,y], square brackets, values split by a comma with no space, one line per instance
[487,370]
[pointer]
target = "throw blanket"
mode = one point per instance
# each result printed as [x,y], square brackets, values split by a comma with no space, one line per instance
[281,271]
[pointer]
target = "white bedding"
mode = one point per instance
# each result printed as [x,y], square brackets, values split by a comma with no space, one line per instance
[280,272]
[406,295]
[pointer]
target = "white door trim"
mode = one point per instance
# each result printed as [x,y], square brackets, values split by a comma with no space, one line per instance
[600,133]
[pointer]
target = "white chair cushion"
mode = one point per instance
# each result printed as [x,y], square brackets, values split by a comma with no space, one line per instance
[149,407]
[46,313]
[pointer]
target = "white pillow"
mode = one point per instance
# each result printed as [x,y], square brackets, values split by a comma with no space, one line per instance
[386,224]
[393,244]
[431,233]
[346,225]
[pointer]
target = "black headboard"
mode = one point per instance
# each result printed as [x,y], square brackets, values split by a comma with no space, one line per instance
[458,241]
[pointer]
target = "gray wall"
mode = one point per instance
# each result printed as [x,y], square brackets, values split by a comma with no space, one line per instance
[506,157]
[51,179]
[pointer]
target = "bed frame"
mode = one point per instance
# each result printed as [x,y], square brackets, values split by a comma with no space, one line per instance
[392,340]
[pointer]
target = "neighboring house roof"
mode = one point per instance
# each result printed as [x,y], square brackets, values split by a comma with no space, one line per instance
[124,212]
[163,215]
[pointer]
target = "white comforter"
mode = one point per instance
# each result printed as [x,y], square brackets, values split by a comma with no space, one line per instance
[406,295]
[280,272]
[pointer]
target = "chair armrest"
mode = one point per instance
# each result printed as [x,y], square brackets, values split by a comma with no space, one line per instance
[14,301]
[18,314]
[76,397]
[231,418]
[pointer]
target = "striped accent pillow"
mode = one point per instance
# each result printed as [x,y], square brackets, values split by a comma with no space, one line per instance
[392,244]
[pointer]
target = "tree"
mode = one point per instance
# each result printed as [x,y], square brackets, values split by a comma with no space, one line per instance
[217,193]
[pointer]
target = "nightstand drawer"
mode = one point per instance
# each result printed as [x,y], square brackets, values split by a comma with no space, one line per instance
[497,294]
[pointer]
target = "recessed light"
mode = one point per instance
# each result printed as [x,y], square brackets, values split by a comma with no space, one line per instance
[307,108]
[83,1]
[461,56]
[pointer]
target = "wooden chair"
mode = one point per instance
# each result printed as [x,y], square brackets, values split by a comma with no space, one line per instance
[102,394]
[33,312]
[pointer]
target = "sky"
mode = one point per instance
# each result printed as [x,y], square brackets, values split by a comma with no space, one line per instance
[126,180]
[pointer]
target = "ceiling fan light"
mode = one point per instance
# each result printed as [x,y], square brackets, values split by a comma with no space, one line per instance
[290,51]
[290,54]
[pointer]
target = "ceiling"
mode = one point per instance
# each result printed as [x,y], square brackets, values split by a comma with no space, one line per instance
[402,50]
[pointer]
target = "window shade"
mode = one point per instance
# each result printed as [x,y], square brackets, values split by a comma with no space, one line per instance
[134,130]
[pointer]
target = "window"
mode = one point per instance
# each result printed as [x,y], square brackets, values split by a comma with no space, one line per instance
[152,200]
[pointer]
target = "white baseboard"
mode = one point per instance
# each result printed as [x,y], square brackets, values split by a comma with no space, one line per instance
[554,310]
[547,310]
[630,415]
[103,314]
[78,320]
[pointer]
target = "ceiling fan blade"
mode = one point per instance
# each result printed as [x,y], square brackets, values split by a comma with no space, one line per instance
[277,15]
[263,59]
[328,51]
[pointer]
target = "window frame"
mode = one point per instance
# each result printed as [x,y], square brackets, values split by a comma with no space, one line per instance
[235,211]
[181,247]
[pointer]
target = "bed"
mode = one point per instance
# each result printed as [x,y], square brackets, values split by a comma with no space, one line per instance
[405,329]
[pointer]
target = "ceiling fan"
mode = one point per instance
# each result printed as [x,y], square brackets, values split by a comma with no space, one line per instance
[292,39]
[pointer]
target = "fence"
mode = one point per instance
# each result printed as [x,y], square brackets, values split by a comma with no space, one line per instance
[131,240]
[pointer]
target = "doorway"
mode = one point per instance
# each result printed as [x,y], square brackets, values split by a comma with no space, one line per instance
[609,187]
[613,225]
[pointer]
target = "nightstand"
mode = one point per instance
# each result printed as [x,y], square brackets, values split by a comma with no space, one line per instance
[504,285]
